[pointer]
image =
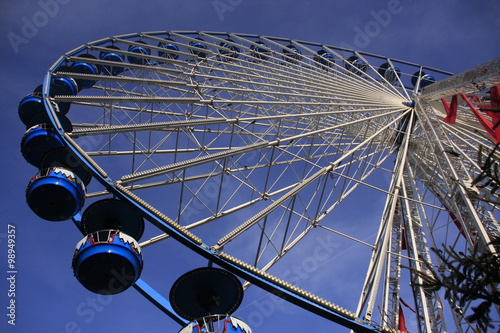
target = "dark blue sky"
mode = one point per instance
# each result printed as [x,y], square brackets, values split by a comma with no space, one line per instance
[450,35]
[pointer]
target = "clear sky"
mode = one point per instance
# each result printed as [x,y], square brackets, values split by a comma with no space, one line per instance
[450,35]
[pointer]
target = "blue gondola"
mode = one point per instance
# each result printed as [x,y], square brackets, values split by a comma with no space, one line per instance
[389,73]
[141,50]
[60,86]
[37,141]
[29,106]
[356,65]
[84,67]
[415,77]
[112,55]
[260,51]
[199,294]
[169,46]
[199,48]
[64,158]
[64,86]
[425,79]
[393,75]
[215,324]
[55,194]
[292,54]
[229,50]
[70,85]
[324,59]
[32,112]
[43,118]
[113,214]
[107,262]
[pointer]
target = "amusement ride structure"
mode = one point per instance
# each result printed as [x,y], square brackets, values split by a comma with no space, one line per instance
[252,150]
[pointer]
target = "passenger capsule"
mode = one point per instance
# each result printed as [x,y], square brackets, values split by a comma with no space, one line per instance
[72,85]
[84,67]
[65,86]
[29,106]
[389,73]
[112,55]
[206,291]
[292,54]
[37,141]
[168,46]
[43,118]
[324,59]
[55,194]
[107,262]
[425,79]
[140,50]
[215,324]
[60,86]
[260,51]
[64,158]
[198,48]
[356,65]
[113,214]
[229,50]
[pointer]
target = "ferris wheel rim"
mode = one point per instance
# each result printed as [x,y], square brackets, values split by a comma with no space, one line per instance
[118,187]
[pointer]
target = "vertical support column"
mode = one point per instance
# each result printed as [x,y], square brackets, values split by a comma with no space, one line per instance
[441,174]
[428,304]
[381,255]
[392,287]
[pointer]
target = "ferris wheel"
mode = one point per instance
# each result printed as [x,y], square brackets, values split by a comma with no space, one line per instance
[256,152]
